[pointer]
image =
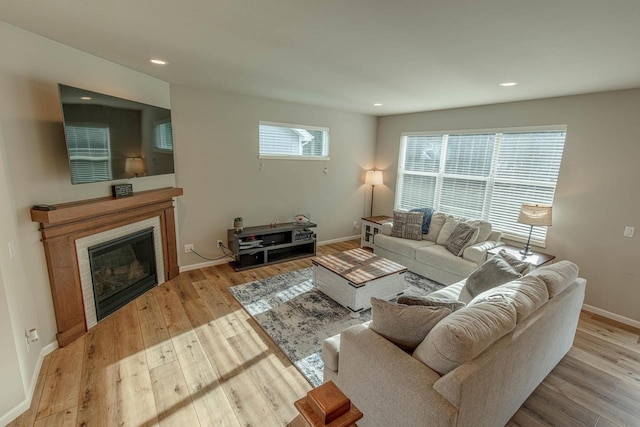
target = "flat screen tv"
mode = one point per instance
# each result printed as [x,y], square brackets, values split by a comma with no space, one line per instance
[110,138]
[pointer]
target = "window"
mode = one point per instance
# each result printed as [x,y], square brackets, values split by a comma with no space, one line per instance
[278,140]
[89,153]
[163,136]
[484,175]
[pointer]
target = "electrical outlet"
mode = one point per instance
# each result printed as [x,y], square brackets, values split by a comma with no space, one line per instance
[219,243]
[629,231]
[355,224]
[188,247]
[12,249]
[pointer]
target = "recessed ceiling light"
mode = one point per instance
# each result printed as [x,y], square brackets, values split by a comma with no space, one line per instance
[86,98]
[508,84]
[158,61]
[377,104]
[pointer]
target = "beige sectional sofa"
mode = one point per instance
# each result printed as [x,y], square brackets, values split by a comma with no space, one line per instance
[476,367]
[429,257]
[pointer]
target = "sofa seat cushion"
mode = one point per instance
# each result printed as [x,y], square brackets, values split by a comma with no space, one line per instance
[401,246]
[556,276]
[463,335]
[404,325]
[438,256]
[527,295]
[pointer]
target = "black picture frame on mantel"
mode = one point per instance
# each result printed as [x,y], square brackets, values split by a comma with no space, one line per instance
[122,190]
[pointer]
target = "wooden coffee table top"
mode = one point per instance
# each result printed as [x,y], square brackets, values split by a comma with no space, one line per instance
[358,266]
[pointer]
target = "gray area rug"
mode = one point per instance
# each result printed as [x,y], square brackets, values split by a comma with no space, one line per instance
[298,317]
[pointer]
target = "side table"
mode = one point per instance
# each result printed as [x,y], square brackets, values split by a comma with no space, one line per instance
[327,406]
[536,259]
[372,225]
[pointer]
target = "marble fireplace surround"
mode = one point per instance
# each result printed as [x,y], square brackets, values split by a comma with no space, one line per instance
[70,222]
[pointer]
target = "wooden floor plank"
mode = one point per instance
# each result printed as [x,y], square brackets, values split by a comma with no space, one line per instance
[187,354]
[62,382]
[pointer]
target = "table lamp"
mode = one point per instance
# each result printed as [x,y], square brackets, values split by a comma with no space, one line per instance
[135,166]
[533,214]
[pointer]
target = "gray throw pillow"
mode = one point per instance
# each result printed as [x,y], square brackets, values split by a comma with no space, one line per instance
[407,225]
[518,265]
[404,325]
[430,301]
[494,272]
[462,236]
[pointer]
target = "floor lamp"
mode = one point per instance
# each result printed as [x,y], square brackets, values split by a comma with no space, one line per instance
[533,214]
[373,178]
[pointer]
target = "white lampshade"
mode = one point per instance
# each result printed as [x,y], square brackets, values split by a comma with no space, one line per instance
[535,214]
[134,165]
[373,178]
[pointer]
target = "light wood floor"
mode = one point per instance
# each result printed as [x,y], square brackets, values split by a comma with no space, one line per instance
[187,354]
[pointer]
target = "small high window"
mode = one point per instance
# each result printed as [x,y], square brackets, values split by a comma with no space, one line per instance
[281,140]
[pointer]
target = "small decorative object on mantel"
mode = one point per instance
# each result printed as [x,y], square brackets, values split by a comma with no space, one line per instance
[43,207]
[238,224]
[122,190]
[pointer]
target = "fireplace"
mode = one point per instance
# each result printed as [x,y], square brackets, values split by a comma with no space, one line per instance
[121,270]
[71,228]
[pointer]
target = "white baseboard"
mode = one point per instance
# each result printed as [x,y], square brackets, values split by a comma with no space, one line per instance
[226,260]
[204,264]
[23,406]
[612,316]
[341,239]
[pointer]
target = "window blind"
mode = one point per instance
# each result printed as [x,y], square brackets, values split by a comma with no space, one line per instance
[163,136]
[484,175]
[89,153]
[284,140]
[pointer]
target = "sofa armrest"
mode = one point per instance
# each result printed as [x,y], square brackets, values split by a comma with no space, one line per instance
[386,228]
[478,253]
[388,385]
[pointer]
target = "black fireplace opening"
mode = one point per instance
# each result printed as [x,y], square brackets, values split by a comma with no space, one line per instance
[121,270]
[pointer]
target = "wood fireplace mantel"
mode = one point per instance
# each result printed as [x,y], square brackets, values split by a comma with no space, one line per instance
[60,228]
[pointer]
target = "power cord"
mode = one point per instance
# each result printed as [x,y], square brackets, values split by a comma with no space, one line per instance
[227,254]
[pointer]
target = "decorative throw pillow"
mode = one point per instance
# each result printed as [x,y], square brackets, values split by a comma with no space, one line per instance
[437,222]
[407,225]
[426,218]
[430,301]
[518,265]
[447,229]
[494,272]
[461,237]
[404,325]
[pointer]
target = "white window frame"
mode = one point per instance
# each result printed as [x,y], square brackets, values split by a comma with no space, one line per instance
[295,156]
[491,180]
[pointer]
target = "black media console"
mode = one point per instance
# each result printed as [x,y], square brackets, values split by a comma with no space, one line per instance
[265,244]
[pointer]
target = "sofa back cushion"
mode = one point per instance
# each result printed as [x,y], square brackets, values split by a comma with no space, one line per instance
[484,229]
[463,335]
[437,222]
[404,325]
[556,276]
[526,294]
[448,227]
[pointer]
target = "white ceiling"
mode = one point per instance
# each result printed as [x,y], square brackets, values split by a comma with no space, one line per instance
[348,54]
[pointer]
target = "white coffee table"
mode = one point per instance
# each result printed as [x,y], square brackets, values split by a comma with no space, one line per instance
[352,277]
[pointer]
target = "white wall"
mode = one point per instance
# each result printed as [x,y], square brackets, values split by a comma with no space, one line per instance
[595,196]
[218,166]
[34,170]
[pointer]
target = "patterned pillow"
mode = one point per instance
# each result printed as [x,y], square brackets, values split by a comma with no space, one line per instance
[518,265]
[462,236]
[407,225]
[426,218]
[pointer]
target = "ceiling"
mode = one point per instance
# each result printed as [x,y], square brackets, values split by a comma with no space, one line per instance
[349,54]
